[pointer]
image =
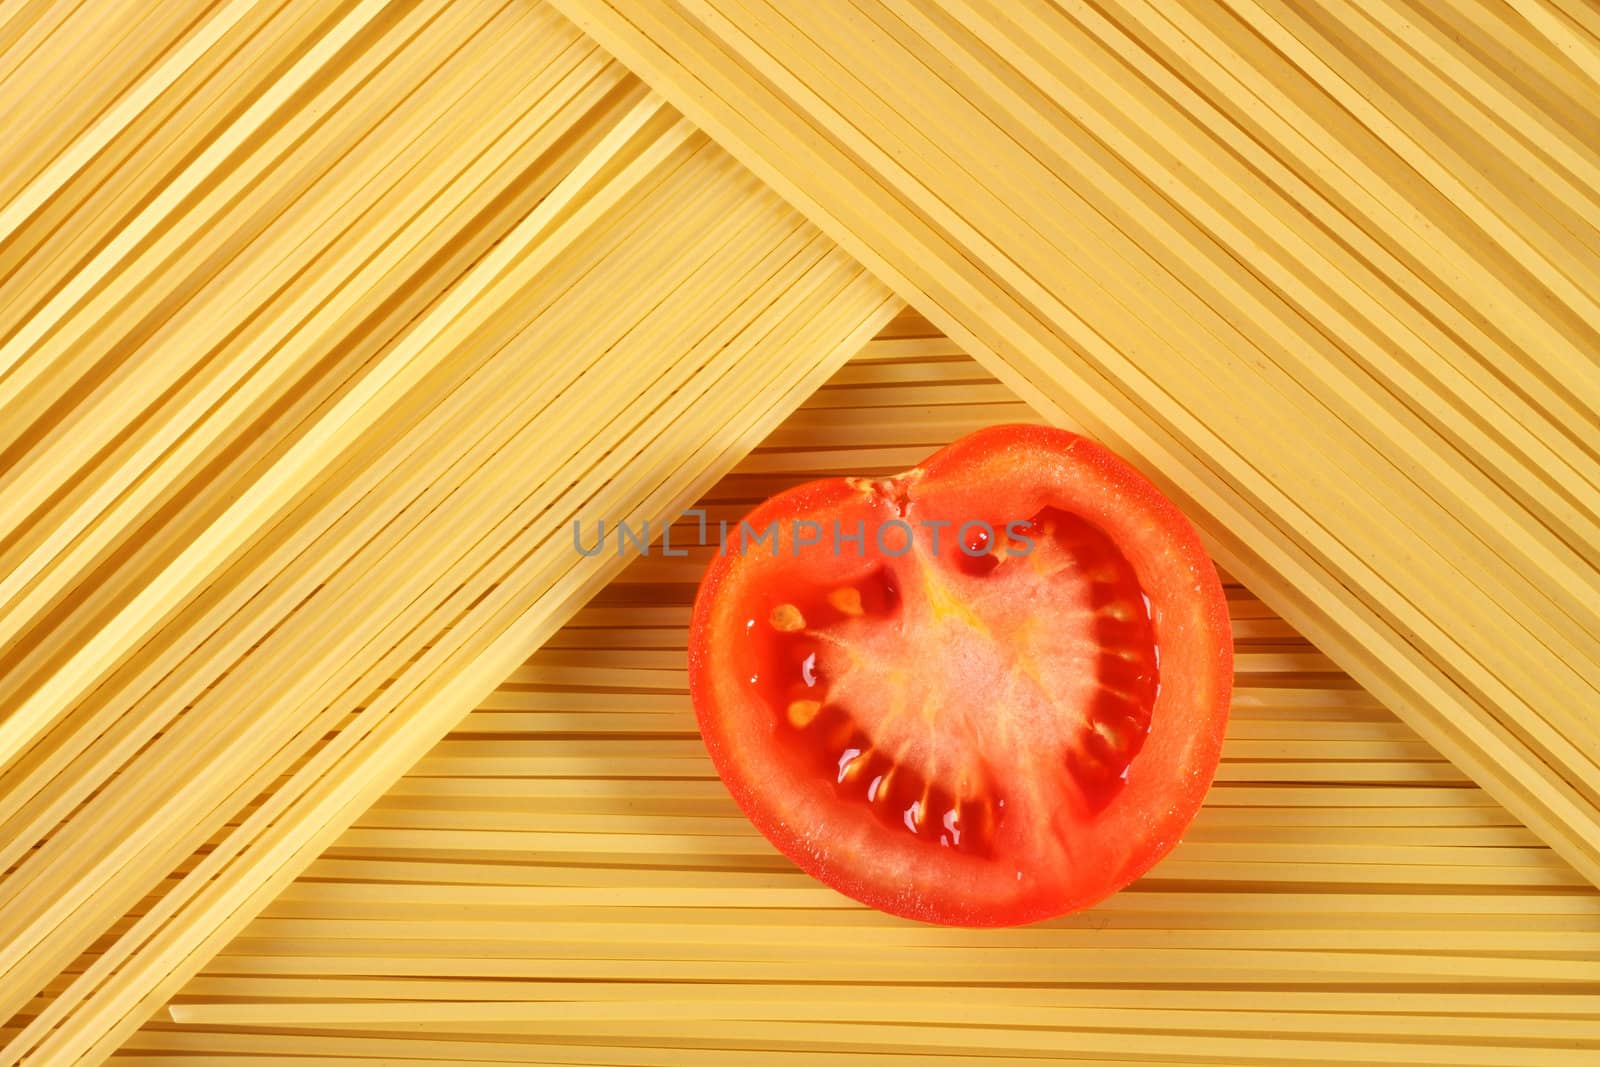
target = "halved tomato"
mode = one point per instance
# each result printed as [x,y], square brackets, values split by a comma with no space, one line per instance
[987,691]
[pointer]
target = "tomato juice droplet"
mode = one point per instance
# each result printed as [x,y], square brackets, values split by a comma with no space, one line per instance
[975,536]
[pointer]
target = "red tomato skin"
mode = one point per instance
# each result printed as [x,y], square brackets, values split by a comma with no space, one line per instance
[1186,740]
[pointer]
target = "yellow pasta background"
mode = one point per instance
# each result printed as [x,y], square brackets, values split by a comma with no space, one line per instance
[322,320]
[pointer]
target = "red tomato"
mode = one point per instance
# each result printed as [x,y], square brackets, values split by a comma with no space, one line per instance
[1004,703]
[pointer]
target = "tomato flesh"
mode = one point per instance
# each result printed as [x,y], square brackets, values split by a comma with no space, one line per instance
[1005,709]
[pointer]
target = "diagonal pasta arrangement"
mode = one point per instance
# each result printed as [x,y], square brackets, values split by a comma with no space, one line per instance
[294,449]
[1328,270]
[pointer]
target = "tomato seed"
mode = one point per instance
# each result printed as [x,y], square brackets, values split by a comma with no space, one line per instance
[786,618]
[802,712]
[952,827]
[1111,737]
[851,762]
[846,600]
